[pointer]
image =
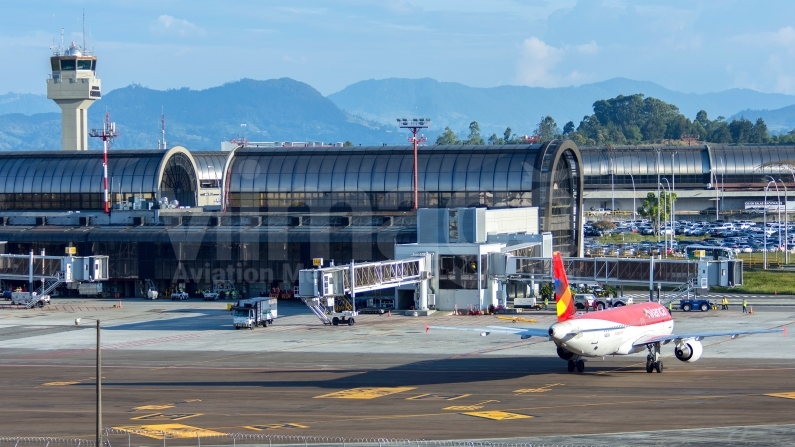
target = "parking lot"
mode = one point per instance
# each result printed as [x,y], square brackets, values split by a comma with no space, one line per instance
[182,364]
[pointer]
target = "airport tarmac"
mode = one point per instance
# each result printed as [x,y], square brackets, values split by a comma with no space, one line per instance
[181,367]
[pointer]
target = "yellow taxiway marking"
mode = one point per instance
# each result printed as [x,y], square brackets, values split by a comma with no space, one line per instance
[784,395]
[497,415]
[165,417]
[476,406]
[438,397]
[543,389]
[275,426]
[59,383]
[365,393]
[518,319]
[154,407]
[170,430]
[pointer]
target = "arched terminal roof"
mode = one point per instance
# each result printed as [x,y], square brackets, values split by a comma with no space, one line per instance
[691,167]
[380,178]
[59,180]
[209,167]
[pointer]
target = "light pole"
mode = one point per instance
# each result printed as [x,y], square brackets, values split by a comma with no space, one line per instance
[414,125]
[657,168]
[717,199]
[722,182]
[634,209]
[670,201]
[764,217]
[786,230]
[673,189]
[778,209]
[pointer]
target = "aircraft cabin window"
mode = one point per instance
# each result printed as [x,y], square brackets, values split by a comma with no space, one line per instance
[68,64]
[83,64]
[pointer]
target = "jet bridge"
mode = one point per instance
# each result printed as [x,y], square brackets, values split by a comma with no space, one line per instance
[622,271]
[319,288]
[53,270]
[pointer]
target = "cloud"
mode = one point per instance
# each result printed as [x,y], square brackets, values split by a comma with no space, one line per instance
[774,62]
[784,37]
[169,25]
[537,61]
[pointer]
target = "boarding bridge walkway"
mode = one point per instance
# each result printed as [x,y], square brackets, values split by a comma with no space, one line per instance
[343,282]
[52,271]
[626,271]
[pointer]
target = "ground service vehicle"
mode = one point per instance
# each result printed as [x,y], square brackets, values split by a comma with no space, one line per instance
[526,303]
[619,331]
[25,298]
[179,296]
[689,304]
[254,312]
[604,302]
[584,300]
[90,289]
[210,296]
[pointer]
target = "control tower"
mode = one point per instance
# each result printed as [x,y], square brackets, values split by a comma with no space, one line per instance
[74,86]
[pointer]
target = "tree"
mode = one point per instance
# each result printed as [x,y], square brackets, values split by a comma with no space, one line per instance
[759,133]
[720,132]
[448,137]
[494,139]
[740,130]
[604,225]
[547,129]
[474,134]
[347,143]
[651,208]
[568,129]
[546,291]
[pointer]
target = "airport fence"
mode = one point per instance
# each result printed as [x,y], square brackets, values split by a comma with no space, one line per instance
[115,437]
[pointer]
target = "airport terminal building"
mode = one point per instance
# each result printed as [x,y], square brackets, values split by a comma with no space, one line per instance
[256,216]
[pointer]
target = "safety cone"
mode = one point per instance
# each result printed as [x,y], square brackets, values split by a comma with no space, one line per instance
[120,304]
[389,313]
[750,309]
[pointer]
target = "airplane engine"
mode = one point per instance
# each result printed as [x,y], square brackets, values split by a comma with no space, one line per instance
[564,354]
[689,352]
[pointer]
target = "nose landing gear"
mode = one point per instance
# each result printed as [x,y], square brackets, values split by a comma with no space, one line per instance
[653,362]
[576,363]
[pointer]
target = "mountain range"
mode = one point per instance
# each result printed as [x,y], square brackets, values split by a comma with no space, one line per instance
[364,112]
[272,110]
[521,108]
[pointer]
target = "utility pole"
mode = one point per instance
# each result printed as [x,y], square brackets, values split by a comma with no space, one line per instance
[414,125]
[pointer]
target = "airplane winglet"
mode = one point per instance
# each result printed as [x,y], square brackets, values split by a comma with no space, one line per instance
[426,328]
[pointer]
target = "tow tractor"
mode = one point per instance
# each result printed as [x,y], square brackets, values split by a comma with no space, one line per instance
[254,312]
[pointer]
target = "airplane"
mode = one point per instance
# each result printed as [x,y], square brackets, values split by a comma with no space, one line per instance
[618,331]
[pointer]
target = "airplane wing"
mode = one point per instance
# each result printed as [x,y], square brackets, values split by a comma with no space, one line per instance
[701,335]
[523,332]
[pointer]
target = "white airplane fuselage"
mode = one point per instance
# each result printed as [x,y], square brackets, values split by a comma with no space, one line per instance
[613,331]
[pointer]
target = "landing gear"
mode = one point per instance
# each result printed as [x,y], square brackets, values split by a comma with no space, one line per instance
[576,363]
[653,362]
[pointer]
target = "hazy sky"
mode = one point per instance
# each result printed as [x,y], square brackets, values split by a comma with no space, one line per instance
[687,45]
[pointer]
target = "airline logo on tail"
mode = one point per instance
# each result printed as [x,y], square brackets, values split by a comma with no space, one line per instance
[563,299]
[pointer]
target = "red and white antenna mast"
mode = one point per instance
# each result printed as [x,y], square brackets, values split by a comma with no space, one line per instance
[107,133]
[414,125]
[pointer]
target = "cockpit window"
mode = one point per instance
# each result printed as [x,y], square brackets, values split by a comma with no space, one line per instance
[67,64]
[84,64]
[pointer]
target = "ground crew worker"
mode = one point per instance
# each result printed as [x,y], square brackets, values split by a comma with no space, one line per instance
[725,304]
[670,307]
[745,306]
[546,302]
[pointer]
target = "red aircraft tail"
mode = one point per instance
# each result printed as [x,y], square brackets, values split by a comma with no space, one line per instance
[563,299]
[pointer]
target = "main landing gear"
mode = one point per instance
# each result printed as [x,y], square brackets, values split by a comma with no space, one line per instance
[653,362]
[576,363]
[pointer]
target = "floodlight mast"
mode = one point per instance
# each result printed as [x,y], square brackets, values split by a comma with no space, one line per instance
[107,133]
[414,125]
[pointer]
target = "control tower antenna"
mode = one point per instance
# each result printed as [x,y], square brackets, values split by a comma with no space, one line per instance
[107,133]
[414,125]
[162,143]
[84,30]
